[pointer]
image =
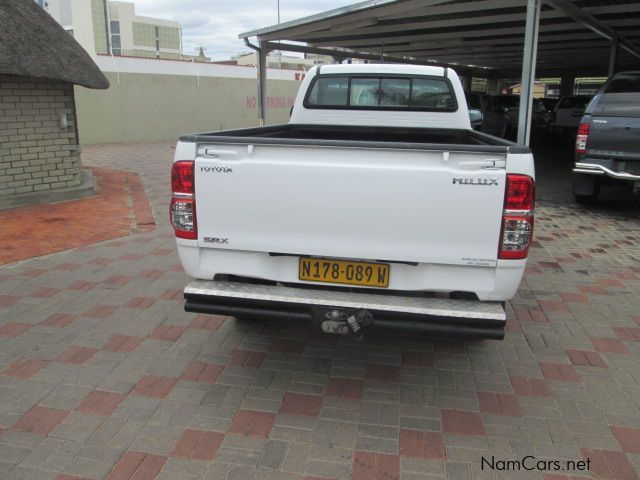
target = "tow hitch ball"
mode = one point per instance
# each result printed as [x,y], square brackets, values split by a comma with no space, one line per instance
[346,323]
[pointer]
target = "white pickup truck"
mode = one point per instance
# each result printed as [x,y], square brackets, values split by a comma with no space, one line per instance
[376,207]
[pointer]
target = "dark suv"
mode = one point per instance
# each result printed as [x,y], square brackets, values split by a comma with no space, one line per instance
[608,141]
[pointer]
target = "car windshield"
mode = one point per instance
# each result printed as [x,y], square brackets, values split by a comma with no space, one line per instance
[574,102]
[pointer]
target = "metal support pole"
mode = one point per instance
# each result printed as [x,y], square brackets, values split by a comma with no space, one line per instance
[493,86]
[261,64]
[279,51]
[262,84]
[528,70]
[567,85]
[466,82]
[613,56]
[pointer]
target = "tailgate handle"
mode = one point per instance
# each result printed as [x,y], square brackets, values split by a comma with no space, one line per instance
[214,153]
[484,163]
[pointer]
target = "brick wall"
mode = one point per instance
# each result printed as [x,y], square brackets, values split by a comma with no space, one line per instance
[36,154]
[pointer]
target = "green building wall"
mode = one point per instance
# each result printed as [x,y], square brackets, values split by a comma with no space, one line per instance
[144,35]
[99,27]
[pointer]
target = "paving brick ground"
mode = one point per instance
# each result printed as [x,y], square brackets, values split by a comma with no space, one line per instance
[102,374]
[36,230]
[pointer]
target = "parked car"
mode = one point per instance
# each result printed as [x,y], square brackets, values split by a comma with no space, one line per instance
[567,113]
[510,106]
[549,103]
[495,121]
[540,116]
[608,140]
[359,211]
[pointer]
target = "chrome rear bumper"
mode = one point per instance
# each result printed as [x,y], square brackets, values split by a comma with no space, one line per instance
[448,317]
[595,169]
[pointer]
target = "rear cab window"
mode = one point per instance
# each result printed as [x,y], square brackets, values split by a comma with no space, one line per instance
[574,102]
[620,96]
[357,92]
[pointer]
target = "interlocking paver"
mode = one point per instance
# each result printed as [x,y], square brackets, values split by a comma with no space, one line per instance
[252,423]
[103,375]
[462,423]
[345,388]
[137,465]
[101,403]
[198,445]
[24,368]
[628,438]
[499,404]
[40,420]
[414,443]
[300,404]
[77,355]
[375,466]
[154,386]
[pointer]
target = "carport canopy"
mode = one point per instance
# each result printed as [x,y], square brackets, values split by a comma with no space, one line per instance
[487,38]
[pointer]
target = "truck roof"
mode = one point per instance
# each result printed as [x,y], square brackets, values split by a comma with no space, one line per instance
[378,68]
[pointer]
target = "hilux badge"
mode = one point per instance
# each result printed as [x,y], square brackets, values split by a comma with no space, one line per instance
[475,181]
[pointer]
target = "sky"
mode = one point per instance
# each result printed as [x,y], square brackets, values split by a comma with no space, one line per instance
[215,24]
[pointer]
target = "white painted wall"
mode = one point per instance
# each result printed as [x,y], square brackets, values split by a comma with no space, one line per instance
[182,67]
[83,24]
[152,99]
[61,11]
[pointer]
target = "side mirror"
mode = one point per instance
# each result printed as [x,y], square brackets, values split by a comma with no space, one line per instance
[475,117]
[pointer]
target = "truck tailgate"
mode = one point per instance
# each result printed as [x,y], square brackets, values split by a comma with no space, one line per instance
[615,137]
[366,203]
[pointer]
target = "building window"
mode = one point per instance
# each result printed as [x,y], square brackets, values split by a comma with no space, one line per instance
[157,42]
[116,46]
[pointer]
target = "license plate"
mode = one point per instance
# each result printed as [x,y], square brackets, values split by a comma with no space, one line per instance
[366,274]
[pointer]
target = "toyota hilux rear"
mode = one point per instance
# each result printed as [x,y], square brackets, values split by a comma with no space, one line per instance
[376,207]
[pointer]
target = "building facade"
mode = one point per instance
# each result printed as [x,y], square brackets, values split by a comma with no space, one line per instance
[106,27]
[134,35]
[274,60]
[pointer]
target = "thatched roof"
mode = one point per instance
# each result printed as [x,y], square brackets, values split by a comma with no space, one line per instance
[33,44]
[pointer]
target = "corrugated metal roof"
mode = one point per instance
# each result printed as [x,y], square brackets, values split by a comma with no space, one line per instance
[487,33]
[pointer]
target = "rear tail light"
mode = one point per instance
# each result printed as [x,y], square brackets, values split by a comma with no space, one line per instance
[581,139]
[520,192]
[517,217]
[183,204]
